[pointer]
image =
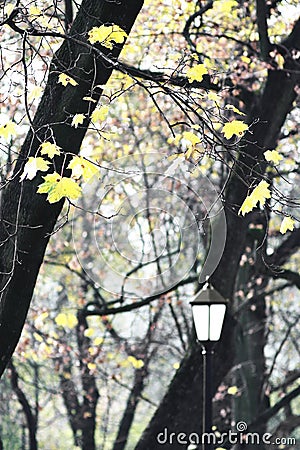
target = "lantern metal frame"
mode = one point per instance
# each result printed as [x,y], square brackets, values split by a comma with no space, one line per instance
[209,297]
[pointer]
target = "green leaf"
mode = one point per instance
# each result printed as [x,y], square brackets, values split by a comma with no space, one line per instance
[58,187]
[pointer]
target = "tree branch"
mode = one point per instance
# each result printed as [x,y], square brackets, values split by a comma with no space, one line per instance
[261,20]
[270,412]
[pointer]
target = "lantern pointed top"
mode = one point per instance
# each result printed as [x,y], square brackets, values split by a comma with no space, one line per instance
[208,295]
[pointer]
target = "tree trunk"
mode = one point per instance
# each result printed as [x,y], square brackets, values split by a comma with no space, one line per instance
[87,422]
[29,415]
[132,402]
[27,220]
[250,338]
[181,409]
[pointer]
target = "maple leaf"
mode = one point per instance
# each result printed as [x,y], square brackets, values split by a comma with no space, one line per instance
[32,166]
[106,35]
[99,114]
[77,120]
[196,73]
[49,149]
[191,137]
[261,193]
[82,167]
[237,127]
[247,205]
[8,130]
[287,224]
[65,79]
[58,187]
[273,156]
[258,195]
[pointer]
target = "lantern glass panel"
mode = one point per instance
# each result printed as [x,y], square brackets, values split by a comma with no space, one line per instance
[201,320]
[217,313]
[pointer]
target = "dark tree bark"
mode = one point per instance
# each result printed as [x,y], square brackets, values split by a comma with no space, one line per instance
[27,220]
[181,408]
[87,422]
[130,409]
[81,414]
[31,418]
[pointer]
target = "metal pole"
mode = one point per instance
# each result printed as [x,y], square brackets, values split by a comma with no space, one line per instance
[207,426]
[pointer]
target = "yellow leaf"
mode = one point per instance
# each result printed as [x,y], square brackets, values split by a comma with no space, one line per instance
[247,205]
[89,99]
[127,82]
[58,187]
[175,140]
[234,109]
[106,35]
[49,149]
[65,79]
[273,156]
[176,365]
[92,366]
[136,363]
[232,390]
[98,341]
[67,375]
[99,114]
[34,11]
[139,364]
[280,61]
[245,59]
[213,96]
[38,337]
[8,8]
[77,120]
[287,224]
[34,93]
[227,5]
[66,320]
[189,152]
[196,73]
[237,127]
[32,166]
[259,195]
[8,130]
[89,332]
[193,138]
[82,167]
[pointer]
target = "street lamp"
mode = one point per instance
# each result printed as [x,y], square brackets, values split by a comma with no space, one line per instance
[208,308]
